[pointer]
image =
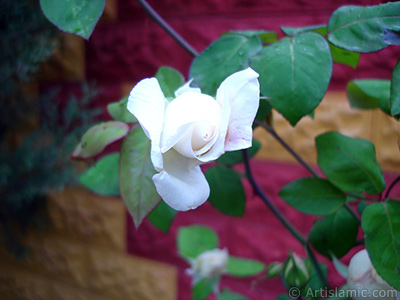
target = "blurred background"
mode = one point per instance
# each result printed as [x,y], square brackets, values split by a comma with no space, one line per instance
[58,240]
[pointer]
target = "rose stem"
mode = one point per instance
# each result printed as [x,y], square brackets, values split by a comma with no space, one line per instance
[164,25]
[392,186]
[186,46]
[258,190]
[272,131]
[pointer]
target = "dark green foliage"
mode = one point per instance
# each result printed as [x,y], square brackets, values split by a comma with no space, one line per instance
[26,40]
[40,163]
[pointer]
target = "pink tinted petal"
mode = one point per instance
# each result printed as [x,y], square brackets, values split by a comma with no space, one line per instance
[180,186]
[147,103]
[242,91]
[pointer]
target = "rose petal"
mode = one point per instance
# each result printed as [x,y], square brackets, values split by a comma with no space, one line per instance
[186,88]
[147,103]
[181,116]
[241,90]
[181,187]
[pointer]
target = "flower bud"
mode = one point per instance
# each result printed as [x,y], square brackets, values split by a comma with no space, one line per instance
[295,271]
[274,269]
[364,282]
[209,264]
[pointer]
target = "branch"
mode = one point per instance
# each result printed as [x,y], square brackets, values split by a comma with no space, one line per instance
[164,25]
[272,131]
[257,189]
[392,186]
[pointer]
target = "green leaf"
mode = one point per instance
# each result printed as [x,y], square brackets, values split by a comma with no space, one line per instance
[136,172]
[315,287]
[349,163]
[295,73]
[369,93]
[162,216]
[365,29]
[95,140]
[226,191]
[336,234]
[344,57]
[341,294]
[203,288]
[227,294]
[340,267]
[381,225]
[274,269]
[292,31]
[242,267]
[170,80]
[221,59]
[102,178]
[284,297]
[395,91]
[233,157]
[314,196]
[74,16]
[194,240]
[119,112]
[264,110]
[266,37]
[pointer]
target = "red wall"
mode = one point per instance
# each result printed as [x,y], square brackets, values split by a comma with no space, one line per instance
[134,47]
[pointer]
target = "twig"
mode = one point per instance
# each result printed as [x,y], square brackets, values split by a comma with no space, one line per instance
[272,131]
[392,186]
[164,25]
[257,189]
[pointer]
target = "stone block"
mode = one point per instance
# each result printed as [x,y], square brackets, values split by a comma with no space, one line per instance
[81,214]
[61,291]
[386,139]
[121,276]
[54,257]
[22,285]
[68,61]
[333,114]
[110,13]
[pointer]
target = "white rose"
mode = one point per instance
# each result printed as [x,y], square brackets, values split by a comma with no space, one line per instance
[193,129]
[364,281]
[209,264]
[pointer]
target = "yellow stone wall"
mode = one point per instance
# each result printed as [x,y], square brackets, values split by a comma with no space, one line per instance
[83,256]
[334,114]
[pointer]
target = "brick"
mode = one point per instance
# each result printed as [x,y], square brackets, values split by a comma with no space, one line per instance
[386,138]
[110,13]
[333,114]
[68,61]
[120,276]
[209,8]
[80,214]
[52,256]
[22,285]
[61,291]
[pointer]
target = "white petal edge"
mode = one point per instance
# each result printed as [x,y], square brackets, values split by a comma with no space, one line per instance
[186,88]
[180,186]
[147,103]
[242,91]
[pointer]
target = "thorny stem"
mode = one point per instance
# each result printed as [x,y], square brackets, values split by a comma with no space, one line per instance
[258,190]
[164,25]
